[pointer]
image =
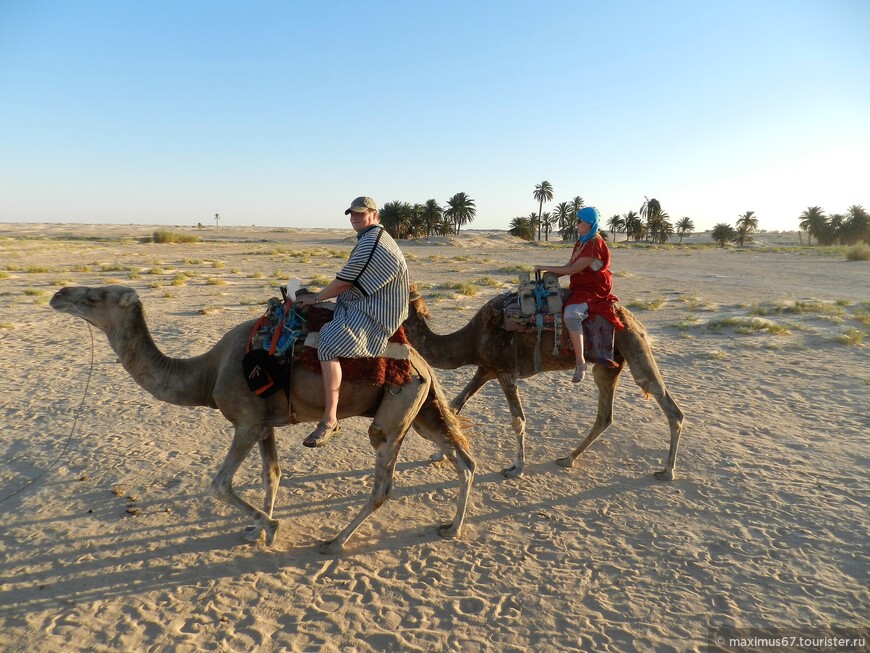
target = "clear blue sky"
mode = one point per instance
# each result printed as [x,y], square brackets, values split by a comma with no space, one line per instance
[279,113]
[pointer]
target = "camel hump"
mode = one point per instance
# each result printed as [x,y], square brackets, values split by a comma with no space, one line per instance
[492,313]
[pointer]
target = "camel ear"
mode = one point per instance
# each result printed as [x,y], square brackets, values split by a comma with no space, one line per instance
[128,298]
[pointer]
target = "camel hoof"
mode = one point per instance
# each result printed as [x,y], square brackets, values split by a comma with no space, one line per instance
[252,534]
[330,547]
[448,531]
[512,472]
[665,475]
[270,529]
[567,462]
[437,457]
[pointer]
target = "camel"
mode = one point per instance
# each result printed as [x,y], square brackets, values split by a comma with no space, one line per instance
[215,379]
[507,356]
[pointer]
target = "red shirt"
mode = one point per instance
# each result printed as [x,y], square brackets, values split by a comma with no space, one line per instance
[591,286]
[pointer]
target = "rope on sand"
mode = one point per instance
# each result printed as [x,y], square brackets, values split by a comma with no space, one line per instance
[72,430]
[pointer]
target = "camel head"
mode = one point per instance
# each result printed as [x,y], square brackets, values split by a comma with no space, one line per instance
[104,307]
[415,302]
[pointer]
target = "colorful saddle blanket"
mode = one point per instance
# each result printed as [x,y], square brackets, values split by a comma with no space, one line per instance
[394,368]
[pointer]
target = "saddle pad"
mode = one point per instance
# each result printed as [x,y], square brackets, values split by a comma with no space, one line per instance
[516,320]
[392,370]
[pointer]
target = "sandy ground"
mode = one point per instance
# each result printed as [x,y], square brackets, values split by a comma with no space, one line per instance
[109,540]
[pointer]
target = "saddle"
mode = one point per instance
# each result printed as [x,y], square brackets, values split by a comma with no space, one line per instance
[536,307]
[285,336]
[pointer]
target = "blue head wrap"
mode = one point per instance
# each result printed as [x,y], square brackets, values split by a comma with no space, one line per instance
[589,215]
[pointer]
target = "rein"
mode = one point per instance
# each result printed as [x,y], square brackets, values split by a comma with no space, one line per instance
[72,430]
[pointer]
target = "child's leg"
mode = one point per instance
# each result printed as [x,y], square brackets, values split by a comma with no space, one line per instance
[574,316]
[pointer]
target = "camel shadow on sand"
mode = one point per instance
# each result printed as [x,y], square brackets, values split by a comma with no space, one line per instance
[135,561]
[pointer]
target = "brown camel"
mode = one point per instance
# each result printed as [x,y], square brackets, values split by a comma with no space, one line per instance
[215,379]
[509,355]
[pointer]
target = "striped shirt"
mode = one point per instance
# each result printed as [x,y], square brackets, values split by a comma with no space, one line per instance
[371,310]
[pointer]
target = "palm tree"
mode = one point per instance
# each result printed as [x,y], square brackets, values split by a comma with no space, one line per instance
[666,229]
[856,227]
[432,215]
[445,227]
[659,226]
[461,210]
[746,224]
[837,224]
[650,210]
[522,228]
[396,218]
[649,206]
[813,221]
[549,221]
[564,217]
[417,222]
[616,223]
[634,227]
[628,220]
[685,226]
[724,233]
[543,193]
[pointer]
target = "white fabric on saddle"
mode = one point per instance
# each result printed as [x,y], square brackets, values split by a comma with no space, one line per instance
[394,350]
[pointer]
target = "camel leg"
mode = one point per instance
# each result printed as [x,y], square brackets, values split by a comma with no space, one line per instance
[508,385]
[675,421]
[477,381]
[222,485]
[646,374]
[382,490]
[386,434]
[271,480]
[606,380]
[431,426]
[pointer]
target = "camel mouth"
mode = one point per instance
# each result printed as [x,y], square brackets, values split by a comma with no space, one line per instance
[61,303]
[58,301]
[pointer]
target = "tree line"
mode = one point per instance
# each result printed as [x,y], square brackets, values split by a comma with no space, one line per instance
[650,223]
[850,228]
[406,220]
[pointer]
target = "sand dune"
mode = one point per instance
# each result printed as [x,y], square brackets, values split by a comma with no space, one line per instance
[109,540]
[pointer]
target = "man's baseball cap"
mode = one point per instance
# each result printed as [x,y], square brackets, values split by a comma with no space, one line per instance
[362,204]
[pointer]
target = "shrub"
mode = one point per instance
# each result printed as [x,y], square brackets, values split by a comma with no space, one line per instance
[850,336]
[858,253]
[516,269]
[166,236]
[646,305]
[745,325]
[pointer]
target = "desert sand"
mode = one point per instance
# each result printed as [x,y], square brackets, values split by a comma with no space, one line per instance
[109,540]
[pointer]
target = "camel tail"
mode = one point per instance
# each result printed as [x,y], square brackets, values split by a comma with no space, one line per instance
[451,422]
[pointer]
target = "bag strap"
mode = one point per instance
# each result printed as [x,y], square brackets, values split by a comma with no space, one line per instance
[257,325]
[280,328]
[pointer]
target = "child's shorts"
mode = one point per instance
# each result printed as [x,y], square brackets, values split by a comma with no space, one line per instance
[574,316]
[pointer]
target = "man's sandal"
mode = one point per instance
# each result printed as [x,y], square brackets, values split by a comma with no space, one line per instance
[579,373]
[322,434]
